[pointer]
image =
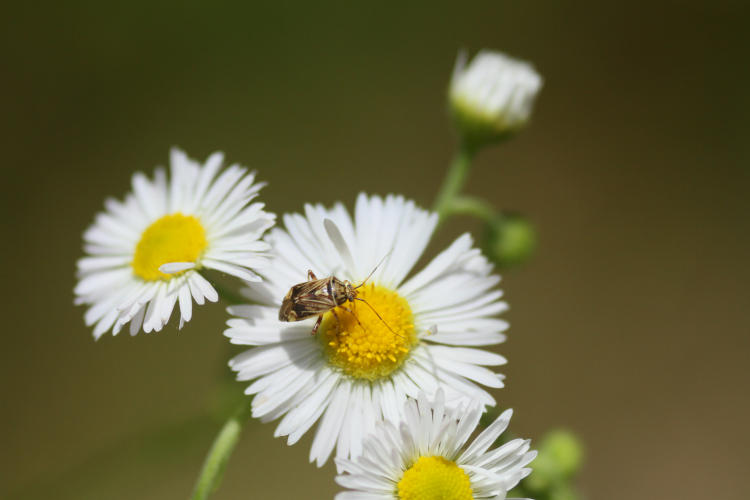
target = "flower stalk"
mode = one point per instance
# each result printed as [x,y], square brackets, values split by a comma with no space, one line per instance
[473,206]
[454,181]
[217,458]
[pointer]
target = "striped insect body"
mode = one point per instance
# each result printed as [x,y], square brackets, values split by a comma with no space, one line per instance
[315,297]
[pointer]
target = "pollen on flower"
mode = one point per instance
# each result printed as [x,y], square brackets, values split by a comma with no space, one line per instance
[363,345]
[434,478]
[172,238]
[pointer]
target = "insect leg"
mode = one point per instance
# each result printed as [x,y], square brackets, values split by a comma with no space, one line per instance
[338,321]
[355,317]
[311,275]
[317,325]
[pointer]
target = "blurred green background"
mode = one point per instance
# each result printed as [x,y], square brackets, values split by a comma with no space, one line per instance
[630,325]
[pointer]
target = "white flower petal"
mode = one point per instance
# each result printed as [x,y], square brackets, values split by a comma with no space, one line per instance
[176,267]
[338,240]
[327,433]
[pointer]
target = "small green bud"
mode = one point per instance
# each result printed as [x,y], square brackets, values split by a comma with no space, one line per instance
[510,240]
[565,449]
[560,456]
[492,96]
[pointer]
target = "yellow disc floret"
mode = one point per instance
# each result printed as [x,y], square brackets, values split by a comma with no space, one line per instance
[434,478]
[363,345]
[172,238]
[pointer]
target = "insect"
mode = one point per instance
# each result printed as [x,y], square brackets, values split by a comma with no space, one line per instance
[315,297]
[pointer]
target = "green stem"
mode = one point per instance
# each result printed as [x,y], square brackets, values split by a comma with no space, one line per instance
[476,207]
[455,179]
[218,456]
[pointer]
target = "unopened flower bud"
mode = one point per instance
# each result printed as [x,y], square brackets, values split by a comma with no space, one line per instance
[492,96]
[510,240]
[559,459]
[565,449]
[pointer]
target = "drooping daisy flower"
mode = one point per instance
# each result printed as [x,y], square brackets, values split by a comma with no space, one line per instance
[144,254]
[411,334]
[425,458]
[492,95]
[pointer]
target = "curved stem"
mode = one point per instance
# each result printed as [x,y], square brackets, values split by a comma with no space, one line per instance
[455,179]
[468,205]
[218,456]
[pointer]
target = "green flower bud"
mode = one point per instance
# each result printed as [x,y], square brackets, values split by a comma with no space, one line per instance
[560,456]
[492,96]
[510,240]
[565,449]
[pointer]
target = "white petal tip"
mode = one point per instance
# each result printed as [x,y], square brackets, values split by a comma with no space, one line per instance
[176,267]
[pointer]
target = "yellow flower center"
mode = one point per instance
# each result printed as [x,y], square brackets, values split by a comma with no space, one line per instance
[434,478]
[172,238]
[363,345]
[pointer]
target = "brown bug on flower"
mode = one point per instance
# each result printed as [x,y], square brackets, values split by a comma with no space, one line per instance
[315,297]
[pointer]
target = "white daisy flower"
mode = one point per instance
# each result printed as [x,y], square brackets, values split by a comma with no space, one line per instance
[412,334]
[425,458]
[494,94]
[144,254]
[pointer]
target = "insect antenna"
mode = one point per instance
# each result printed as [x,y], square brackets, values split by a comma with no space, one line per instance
[373,272]
[381,318]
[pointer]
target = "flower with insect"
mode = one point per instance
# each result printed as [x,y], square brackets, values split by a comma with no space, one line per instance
[417,331]
[144,254]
